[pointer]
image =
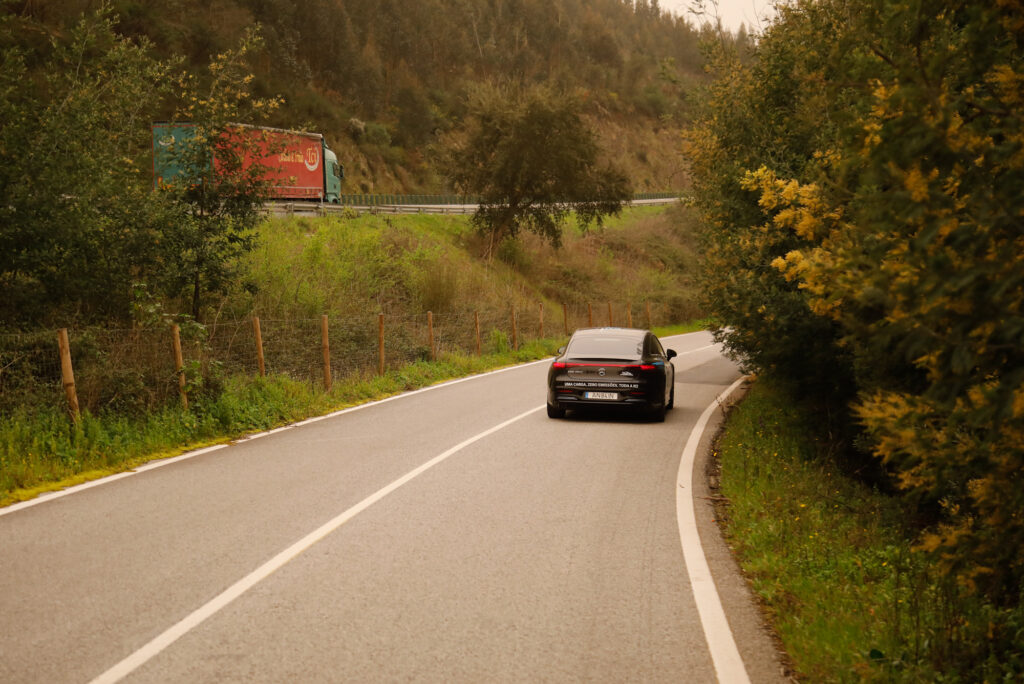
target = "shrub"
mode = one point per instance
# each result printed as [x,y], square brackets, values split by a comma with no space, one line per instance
[880,244]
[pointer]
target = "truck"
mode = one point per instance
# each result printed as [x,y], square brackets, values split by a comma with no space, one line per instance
[298,165]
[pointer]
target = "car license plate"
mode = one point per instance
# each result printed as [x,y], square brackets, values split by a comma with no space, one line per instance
[602,395]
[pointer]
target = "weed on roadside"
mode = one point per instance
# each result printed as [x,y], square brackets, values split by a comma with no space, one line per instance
[834,565]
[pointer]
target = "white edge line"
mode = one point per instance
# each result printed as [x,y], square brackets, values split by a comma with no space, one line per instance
[160,463]
[151,465]
[698,349]
[721,643]
[201,614]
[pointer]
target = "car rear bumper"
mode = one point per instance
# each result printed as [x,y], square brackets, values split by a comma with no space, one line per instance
[567,401]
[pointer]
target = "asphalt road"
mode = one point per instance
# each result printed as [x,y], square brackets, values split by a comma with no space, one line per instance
[455,534]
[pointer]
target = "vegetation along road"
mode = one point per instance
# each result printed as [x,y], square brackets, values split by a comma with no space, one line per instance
[453,534]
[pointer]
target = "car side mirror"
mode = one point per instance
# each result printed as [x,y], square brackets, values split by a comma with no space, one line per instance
[671,353]
[561,350]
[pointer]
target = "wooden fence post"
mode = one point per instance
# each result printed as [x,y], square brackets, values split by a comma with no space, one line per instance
[67,374]
[179,365]
[325,344]
[476,324]
[590,315]
[647,307]
[259,346]
[610,314]
[380,343]
[515,331]
[565,318]
[430,335]
[541,336]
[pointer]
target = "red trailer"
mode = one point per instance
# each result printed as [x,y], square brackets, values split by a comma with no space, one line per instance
[298,165]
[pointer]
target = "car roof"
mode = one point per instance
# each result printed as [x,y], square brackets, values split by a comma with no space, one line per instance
[623,332]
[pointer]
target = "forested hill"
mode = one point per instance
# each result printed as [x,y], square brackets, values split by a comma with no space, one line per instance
[385,80]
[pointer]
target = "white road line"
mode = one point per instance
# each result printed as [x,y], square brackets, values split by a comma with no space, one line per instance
[200,615]
[152,465]
[694,351]
[726,657]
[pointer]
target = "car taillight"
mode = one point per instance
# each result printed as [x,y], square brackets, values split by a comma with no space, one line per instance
[559,365]
[648,367]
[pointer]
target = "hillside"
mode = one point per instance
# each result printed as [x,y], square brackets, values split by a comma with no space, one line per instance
[385,81]
[407,265]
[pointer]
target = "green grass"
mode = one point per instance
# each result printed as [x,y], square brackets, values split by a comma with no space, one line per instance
[834,566]
[679,329]
[409,264]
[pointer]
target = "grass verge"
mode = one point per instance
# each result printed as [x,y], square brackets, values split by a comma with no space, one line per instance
[834,565]
[680,329]
[42,451]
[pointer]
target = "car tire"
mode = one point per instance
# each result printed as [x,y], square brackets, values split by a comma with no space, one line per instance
[555,412]
[672,398]
[658,414]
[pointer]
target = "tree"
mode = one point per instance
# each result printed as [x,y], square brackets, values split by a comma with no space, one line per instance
[77,225]
[532,161]
[767,113]
[217,196]
[864,178]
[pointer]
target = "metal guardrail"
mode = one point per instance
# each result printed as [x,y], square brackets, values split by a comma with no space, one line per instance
[321,209]
[387,204]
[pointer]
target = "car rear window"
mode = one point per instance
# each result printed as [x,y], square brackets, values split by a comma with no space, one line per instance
[605,347]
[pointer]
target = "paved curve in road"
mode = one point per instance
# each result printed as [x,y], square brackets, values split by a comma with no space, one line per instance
[538,550]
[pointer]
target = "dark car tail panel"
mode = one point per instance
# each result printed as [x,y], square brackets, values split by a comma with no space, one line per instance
[626,377]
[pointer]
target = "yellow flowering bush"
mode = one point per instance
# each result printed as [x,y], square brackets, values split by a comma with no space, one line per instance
[862,184]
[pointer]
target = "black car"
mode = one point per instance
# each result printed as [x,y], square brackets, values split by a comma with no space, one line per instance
[613,368]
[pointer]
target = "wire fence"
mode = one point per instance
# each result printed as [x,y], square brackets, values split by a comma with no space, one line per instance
[138,369]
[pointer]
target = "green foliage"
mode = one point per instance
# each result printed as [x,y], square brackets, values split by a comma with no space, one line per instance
[438,287]
[377,134]
[359,265]
[862,185]
[409,264]
[763,114]
[77,228]
[498,342]
[830,559]
[83,234]
[532,161]
[218,197]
